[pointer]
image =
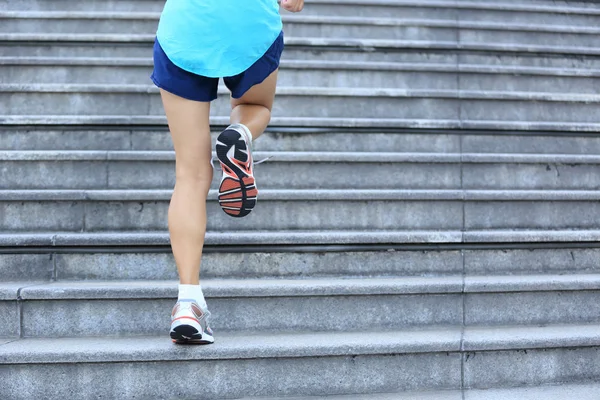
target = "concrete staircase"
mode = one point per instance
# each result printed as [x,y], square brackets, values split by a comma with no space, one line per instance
[427,227]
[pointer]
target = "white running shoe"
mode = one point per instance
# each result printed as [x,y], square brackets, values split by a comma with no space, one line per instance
[189,324]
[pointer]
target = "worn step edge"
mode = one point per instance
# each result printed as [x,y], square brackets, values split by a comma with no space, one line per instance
[312,195]
[240,346]
[321,91]
[452,68]
[368,123]
[241,238]
[218,288]
[307,156]
[317,19]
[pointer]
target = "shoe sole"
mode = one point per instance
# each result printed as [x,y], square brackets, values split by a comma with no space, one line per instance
[237,192]
[187,334]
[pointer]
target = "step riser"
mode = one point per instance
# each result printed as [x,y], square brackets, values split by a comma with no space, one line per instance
[20,139]
[271,175]
[487,369]
[69,175]
[160,266]
[80,318]
[235,378]
[78,139]
[311,313]
[286,105]
[9,319]
[319,107]
[286,77]
[532,308]
[75,216]
[449,80]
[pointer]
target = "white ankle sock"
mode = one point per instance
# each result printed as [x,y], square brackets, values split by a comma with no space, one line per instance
[193,292]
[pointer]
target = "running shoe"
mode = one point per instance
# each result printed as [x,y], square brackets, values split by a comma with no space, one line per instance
[237,192]
[189,324]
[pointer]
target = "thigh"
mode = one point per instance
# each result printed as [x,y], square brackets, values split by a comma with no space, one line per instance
[190,129]
[262,94]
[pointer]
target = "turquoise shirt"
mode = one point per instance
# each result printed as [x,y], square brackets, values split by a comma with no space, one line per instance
[218,38]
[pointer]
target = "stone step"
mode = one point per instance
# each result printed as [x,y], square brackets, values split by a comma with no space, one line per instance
[72,170]
[322,74]
[304,210]
[120,308]
[323,363]
[142,26]
[440,105]
[308,140]
[269,261]
[117,308]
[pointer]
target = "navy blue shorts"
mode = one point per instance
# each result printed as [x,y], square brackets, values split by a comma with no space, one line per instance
[188,85]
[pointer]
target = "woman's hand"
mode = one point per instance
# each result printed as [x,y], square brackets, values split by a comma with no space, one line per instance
[292,5]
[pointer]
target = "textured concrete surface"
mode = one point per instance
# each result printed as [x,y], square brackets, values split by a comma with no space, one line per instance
[19,267]
[283,305]
[309,209]
[487,338]
[235,378]
[107,266]
[230,346]
[532,308]
[531,367]
[150,170]
[532,261]
[9,319]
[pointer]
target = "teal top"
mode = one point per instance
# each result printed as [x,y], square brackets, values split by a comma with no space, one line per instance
[218,38]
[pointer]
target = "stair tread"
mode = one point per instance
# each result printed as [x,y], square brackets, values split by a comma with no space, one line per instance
[264,345]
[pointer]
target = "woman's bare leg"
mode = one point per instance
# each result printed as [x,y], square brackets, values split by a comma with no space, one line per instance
[190,130]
